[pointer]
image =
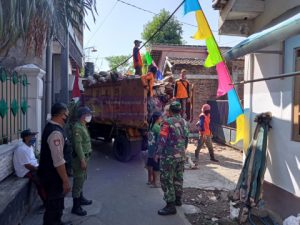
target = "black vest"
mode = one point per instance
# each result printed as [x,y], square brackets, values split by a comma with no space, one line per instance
[47,172]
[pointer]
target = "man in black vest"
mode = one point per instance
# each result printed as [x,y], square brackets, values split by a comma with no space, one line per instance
[52,170]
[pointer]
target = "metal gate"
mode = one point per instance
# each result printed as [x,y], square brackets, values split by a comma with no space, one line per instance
[13,105]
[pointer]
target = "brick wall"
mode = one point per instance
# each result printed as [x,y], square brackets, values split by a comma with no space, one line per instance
[203,90]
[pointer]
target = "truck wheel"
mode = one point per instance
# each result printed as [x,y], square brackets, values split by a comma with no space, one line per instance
[122,148]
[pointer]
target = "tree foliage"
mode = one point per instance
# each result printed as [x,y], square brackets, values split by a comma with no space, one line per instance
[170,34]
[114,61]
[36,20]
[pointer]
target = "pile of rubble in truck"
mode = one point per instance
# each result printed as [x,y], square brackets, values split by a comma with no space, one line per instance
[162,89]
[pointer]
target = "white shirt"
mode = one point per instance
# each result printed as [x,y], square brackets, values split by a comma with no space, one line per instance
[23,154]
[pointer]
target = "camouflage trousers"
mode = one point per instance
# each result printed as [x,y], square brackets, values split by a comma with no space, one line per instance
[171,178]
[79,177]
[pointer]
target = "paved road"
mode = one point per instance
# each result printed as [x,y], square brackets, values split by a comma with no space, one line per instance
[120,193]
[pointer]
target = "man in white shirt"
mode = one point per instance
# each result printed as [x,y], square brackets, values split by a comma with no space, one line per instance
[25,162]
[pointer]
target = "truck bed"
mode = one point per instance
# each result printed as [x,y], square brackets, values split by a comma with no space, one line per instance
[122,103]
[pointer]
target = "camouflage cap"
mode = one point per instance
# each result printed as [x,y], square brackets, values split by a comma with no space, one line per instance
[175,106]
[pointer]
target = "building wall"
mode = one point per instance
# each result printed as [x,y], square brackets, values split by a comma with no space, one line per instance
[274,96]
[269,15]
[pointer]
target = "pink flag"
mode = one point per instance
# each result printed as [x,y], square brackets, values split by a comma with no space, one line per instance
[224,79]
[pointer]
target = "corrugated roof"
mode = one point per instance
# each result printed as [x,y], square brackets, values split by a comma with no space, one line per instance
[186,61]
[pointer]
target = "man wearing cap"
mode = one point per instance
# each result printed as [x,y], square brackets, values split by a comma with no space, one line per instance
[171,151]
[82,151]
[25,162]
[52,170]
[137,59]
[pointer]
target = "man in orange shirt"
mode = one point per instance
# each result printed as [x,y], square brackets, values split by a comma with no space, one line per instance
[137,59]
[148,80]
[205,133]
[182,91]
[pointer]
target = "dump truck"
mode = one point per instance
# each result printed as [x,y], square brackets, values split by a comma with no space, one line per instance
[119,113]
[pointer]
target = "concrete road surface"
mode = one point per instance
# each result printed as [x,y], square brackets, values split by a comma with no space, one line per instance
[120,195]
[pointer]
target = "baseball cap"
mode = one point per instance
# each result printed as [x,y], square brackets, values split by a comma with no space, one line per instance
[137,41]
[27,132]
[83,111]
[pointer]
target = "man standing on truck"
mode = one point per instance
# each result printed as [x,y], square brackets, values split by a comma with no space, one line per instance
[171,151]
[82,152]
[182,91]
[137,59]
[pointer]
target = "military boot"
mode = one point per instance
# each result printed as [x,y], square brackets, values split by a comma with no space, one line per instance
[169,209]
[77,208]
[178,201]
[84,201]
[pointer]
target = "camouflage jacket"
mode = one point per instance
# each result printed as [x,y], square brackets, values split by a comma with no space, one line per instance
[173,137]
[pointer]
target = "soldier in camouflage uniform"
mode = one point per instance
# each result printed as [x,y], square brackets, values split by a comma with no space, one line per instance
[81,155]
[171,151]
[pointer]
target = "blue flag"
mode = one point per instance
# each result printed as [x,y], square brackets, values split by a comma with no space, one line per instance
[234,106]
[191,6]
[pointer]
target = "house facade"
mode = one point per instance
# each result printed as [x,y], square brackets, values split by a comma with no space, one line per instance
[273,51]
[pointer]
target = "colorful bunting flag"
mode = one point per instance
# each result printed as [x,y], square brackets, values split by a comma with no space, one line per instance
[214,55]
[235,108]
[191,5]
[224,84]
[148,58]
[240,129]
[204,31]
[215,58]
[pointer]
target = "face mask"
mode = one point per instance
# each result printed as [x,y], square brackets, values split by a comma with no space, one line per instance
[32,141]
[88,119]
[66,119]
[206,112]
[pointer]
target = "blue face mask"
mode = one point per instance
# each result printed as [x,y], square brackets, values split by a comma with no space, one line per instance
[32,141]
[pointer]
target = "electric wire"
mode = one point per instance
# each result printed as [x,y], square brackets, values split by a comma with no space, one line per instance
[152,36]
[148,11]
[103,21]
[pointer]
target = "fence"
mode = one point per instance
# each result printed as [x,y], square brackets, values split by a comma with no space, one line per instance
[13,105]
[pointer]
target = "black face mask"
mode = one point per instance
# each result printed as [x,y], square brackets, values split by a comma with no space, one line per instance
[66,120]
[206,112]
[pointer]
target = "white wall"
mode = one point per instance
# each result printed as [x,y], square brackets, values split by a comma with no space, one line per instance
[273,9]
[283,168]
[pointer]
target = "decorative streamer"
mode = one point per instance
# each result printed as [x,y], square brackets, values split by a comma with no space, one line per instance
[191,6]
[204,31]
[240,129]
[235,108]
[224,84]
[214,55]
[215,58]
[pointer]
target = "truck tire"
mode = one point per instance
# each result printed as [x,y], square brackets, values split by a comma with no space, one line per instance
[122,148]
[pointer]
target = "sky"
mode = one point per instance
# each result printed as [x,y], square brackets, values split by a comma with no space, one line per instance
[117,25]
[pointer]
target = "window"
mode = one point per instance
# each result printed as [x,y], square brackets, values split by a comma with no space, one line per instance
[296,110]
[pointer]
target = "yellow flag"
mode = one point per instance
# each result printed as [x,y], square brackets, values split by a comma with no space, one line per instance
[240,129]
[204,31]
